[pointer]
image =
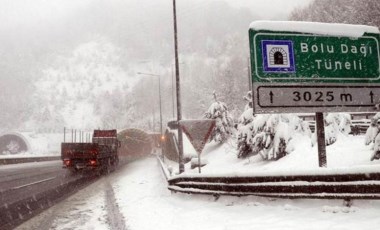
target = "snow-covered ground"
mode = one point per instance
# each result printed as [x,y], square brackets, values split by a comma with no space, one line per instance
[348,154]
[136,197]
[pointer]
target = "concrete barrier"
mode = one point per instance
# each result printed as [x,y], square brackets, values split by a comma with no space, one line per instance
[6,161]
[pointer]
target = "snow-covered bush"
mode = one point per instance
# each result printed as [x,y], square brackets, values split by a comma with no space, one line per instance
[267,134]
[339,121]
[336,124]
[244,128]
[373,130]
[331,135]
[224,122]
[372,136]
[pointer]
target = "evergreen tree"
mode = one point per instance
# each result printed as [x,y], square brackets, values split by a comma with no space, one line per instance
[224,122]
[267,134]
[372,137]
[335,125]
[340,11]
[244,128]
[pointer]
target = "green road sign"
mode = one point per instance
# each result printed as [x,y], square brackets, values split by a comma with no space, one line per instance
[283,61]
[291,57]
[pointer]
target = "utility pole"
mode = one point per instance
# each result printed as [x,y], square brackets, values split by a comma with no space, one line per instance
[178,94]
[173,106]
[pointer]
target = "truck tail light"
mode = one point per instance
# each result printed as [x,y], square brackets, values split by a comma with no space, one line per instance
[67,162]
[93,162]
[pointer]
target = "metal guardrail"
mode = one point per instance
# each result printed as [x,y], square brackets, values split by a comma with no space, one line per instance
[352,186]
[6,161]
[170,146]
[357,126]
[165,171]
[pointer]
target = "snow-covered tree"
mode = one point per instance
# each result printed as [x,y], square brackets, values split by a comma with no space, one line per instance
[267,134]
[224,122]
[336,124]
[244,128]
[364,12]
[372,130]
[372,136]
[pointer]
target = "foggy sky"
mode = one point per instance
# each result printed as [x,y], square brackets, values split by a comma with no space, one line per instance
[34,29]
[19,14]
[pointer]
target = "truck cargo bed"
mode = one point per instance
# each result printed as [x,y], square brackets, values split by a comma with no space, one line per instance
[84,151]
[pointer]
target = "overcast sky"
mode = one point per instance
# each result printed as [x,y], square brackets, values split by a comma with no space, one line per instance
[47,26]
[267,8]
[26,12]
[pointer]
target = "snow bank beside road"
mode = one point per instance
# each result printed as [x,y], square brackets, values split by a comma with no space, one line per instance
[348,155]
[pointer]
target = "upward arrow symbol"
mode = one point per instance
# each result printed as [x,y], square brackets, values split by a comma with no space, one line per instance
[271,97]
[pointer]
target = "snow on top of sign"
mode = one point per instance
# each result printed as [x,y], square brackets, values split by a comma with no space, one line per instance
[332,29]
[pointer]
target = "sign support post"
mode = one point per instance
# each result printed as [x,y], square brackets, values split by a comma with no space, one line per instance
[321,139]
[199,162]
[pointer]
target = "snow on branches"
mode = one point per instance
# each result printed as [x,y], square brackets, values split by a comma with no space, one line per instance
[336,124]
[372,136]
[224,122]
[372,130]
[267,134]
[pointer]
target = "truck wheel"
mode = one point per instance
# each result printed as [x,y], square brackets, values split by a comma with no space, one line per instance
[106,166]
[73,170]
[115,161]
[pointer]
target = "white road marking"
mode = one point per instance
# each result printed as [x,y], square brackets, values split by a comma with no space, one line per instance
[33,183]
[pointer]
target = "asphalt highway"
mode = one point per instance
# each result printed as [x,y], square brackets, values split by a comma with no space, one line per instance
[27,183]
[28,188]
[20,181]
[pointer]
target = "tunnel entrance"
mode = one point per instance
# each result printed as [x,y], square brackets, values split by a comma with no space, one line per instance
[278,58]
[12,144]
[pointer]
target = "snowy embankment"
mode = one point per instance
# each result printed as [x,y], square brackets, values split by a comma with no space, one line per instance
[348,155]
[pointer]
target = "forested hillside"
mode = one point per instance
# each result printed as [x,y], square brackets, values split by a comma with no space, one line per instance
[365,12]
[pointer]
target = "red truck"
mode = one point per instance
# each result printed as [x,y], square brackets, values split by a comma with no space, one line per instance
[101,153]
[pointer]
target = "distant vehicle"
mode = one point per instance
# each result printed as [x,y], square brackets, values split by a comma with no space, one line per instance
[135,144]
[101,153]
